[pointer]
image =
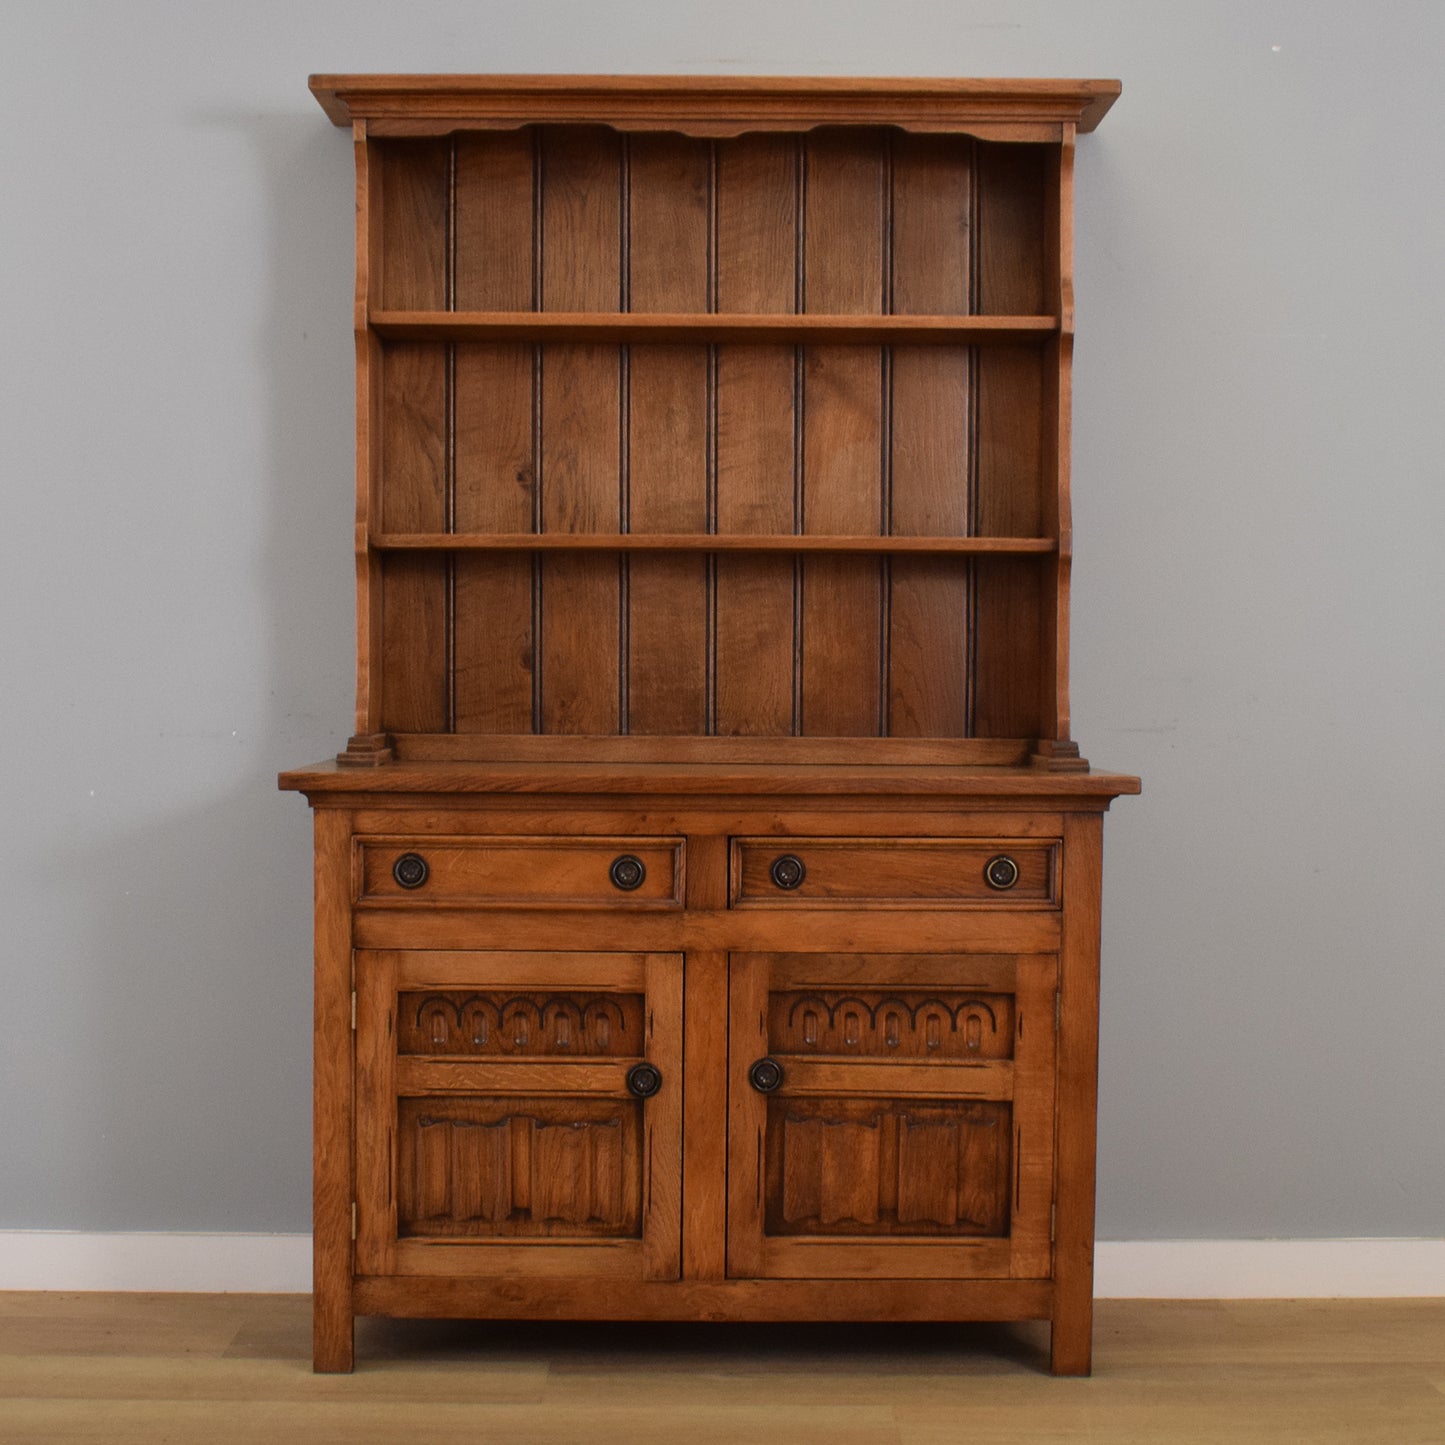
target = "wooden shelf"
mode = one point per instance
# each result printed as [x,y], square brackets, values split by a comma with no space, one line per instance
[704,542]
[640,326]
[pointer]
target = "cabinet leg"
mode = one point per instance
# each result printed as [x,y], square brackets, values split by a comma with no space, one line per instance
[1071,1341]
[332,1337]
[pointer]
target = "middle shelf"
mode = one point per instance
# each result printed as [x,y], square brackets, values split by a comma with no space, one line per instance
[705,542]
[712,326]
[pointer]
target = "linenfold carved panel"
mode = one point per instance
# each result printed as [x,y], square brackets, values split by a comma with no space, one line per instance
[884,1167]
[887,1024]
[543,1166]
[548,1025]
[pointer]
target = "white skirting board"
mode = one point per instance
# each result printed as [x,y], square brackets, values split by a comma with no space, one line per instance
[1124,1269]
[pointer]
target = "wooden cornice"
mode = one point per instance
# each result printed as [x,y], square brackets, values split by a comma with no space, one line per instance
[713,105]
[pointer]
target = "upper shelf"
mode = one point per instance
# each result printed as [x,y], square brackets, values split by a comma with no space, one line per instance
[707,542]
[713,105]
[708,326]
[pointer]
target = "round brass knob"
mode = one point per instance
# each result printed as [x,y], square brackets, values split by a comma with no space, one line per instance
[644,1080]
[627,872]
[788,871]
[410,870]
[765,1075]
[1001,872]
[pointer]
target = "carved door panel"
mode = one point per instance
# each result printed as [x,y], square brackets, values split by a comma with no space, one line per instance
[519,1113]
[890,1116]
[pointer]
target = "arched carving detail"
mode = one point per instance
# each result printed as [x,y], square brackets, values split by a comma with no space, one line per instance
[531,1025]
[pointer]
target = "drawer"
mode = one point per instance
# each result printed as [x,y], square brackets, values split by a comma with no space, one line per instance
[895,872]
[518,872]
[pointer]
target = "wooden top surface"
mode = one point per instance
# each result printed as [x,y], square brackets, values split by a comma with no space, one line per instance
[715,104]
[707,779]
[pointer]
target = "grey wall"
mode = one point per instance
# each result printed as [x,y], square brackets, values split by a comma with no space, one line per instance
[1259,596]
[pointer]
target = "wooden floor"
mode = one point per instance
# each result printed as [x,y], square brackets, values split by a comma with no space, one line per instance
[222,1368]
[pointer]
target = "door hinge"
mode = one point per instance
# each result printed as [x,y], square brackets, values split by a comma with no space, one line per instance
[353,1219]
[1053,1221]
[353,1010]
[1058,1009]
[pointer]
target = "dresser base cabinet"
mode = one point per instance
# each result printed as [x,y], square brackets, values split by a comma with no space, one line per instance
[857,1090]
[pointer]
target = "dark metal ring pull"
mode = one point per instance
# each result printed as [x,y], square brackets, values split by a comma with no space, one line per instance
[1001,872]
[765,1075]
[788,871]
[410,870]
[644,1080]
[627,872]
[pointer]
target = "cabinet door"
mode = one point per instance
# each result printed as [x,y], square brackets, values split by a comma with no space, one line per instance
[500,1127]
[890,1116]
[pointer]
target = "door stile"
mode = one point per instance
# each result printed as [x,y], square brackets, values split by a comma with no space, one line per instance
[747,1113]
[375,1113]
[662,1120]
[1033,1115]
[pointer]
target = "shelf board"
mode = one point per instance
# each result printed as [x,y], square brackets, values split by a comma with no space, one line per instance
[646,326]
[705,542]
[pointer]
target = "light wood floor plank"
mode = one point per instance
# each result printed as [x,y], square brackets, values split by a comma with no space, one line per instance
[235,1368]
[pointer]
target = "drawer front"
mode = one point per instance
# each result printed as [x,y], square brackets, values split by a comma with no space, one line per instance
[513,872]
[895,872]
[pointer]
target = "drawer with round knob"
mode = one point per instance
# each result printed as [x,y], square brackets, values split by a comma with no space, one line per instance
[895,872]
[521,872]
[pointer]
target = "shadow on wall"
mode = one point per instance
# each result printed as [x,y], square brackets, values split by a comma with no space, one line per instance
[200,1053]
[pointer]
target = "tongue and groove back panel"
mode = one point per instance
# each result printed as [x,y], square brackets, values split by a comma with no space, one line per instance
[774,438]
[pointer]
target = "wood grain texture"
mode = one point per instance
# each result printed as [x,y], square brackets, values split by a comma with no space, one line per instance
[1078,1092]
[747,1114]
[413,496]
[1057,509]
[517,1146]
[670,448]
[719,105]
[757,207]
[493,436]
[332,1189]
[368,736]
[874,546]
[1008,651]
[756,328]
[511,871]
[375,1119]
[559,1297]
[414,192]
[662,1180]
[844,212]
[472,1023]
[929,484]
[1031,1232]
[512,1166]
[581,460]
[864,929]
[705,1034]
[910,871]
[845,770]
[712,504]
[868,753]
[883,1161]
[225,1368]
[639,448]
